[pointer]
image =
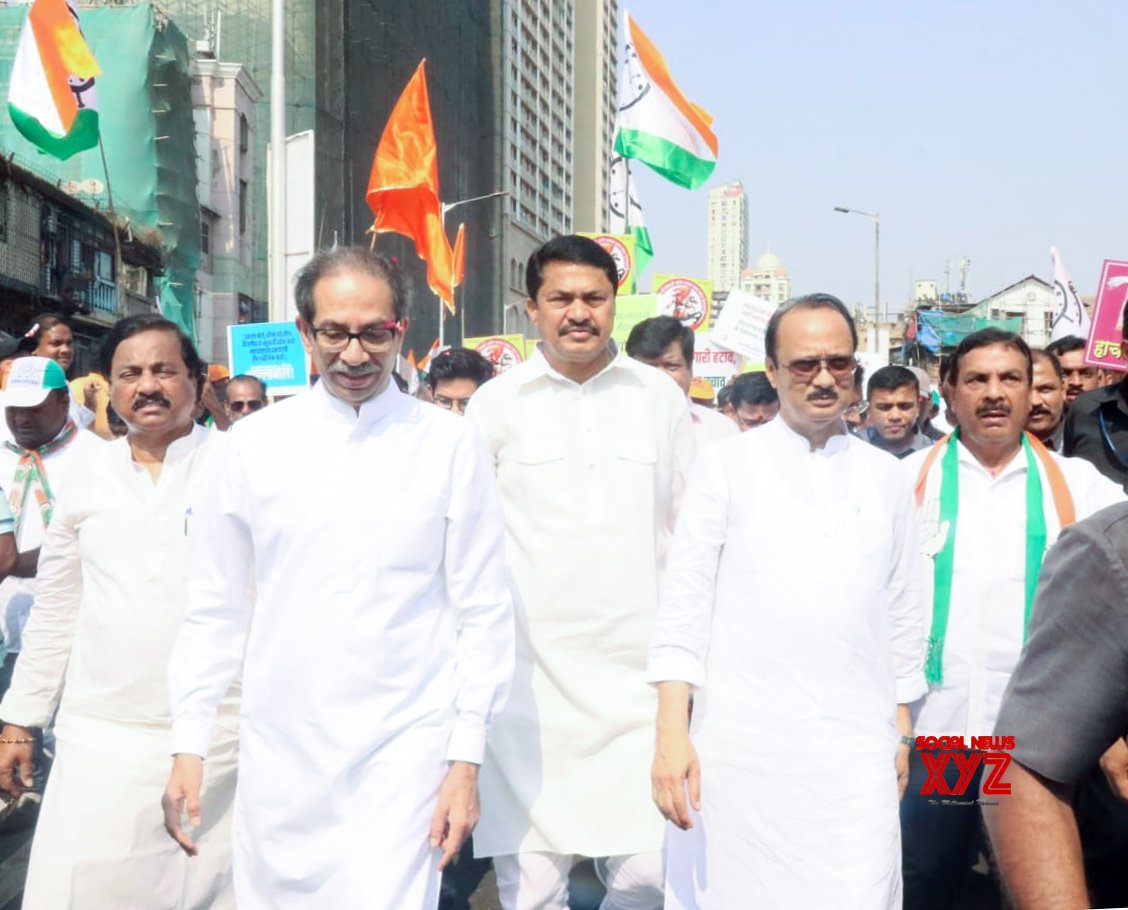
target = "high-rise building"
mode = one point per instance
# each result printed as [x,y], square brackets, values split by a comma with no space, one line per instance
[728,235]
[767,279]
[597,80]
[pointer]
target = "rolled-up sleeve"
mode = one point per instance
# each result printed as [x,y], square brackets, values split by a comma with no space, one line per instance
[685,610]
[1067,700]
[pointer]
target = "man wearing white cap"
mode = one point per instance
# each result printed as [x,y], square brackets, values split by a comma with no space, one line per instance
[46,453]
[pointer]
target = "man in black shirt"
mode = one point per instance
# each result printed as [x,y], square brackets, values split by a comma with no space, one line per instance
[1096,428]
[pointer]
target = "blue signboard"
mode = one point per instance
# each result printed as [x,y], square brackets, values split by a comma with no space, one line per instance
[273,352]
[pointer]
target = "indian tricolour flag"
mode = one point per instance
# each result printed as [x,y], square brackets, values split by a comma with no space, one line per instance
[51,96]
[626,211]
[657,124]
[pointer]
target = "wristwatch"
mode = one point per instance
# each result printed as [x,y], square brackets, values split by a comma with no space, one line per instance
[907,741]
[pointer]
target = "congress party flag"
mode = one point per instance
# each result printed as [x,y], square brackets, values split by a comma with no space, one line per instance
[657,124]
[1070,318]
[403,187]
[51,95]
[626,212]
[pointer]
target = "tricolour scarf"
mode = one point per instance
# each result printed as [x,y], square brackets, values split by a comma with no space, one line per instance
[947,452]
[32,476]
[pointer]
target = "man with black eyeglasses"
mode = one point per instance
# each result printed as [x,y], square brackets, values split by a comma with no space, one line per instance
[1096,427]
[245,394]
[791,611]
[378,643]
[455,375]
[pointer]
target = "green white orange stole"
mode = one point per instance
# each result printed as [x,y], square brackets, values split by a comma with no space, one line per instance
[1041,470]
[31,478]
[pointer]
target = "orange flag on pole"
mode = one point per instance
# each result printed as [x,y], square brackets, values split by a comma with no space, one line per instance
[403,188]
[459,273]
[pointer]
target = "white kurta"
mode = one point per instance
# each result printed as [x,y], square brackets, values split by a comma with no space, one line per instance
[379,646]
[109,600]
[985,617]
[791,606]
[710,426]
[66,467]
[590,477]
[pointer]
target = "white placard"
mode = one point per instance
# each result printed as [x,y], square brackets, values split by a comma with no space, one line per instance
[741,323]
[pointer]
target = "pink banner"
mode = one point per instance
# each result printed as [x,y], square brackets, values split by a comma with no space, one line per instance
[1107,332]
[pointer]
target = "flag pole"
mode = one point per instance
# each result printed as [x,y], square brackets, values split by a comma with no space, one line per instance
[277,230]
[113,222]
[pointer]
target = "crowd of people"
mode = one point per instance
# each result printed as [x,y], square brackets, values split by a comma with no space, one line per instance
[291,656]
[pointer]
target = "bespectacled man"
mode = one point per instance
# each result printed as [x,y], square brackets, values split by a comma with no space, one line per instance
[455,375]
[377,707]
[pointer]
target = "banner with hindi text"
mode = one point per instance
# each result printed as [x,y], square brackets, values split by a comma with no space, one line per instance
[1107,330]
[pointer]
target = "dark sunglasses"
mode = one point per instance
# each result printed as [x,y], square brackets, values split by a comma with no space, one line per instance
[251,404]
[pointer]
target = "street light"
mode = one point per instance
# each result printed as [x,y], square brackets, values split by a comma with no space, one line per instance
[876,219]
[445,207]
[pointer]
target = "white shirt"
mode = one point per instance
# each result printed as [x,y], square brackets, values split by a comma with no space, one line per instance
[389,523]
[65,467]
[791,605]
[378,646]
[710,426]
[110,592]
[590,477]
[988,600]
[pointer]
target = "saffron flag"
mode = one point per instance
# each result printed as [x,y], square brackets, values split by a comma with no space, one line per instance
[626,211]
[403,187]
[459,268]
[657,124]
[51,96]
[1070,317]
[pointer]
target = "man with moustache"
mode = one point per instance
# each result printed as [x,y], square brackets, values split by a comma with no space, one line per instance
[1077,376]
[363,723]
[109,598]
[590,448]
[990,500]
[782,645]
[1047,401]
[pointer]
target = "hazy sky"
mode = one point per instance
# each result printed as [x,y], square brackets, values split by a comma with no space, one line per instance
[989,129]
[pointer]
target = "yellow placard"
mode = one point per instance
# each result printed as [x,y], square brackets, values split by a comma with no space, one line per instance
[622,250]
[503,351]
[630,310]
[688,300]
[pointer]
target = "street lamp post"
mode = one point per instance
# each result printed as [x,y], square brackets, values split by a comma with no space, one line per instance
[876,219]
[445,207]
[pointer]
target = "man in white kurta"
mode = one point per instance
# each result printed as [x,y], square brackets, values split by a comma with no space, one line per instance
[109,599]
[977,627]
[379,642]
[590,449]
[791,611]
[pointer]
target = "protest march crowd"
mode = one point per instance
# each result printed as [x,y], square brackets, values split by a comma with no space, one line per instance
[808,645]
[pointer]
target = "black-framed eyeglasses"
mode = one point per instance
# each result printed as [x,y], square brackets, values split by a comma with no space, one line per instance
[839,366]
[250,405]
[452,404]
[375,339]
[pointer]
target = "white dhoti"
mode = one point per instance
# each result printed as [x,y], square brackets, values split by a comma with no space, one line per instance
[100,842]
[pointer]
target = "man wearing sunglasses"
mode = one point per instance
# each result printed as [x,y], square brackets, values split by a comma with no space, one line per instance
[245,394]
[368,525]
[791,611]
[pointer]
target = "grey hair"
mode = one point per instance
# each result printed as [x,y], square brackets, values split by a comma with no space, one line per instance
[345,259]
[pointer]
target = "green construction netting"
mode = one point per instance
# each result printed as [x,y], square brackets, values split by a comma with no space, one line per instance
[145,109]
